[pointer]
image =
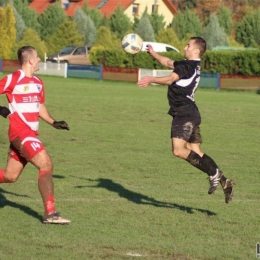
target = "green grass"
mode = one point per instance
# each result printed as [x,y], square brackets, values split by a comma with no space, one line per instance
[116,179]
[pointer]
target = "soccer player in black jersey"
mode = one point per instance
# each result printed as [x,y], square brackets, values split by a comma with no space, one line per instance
[185,131]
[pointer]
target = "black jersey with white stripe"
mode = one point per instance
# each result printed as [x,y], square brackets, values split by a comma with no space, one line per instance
[181,92]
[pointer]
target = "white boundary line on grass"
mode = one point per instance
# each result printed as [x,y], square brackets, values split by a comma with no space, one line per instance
[123,199]
[133,254]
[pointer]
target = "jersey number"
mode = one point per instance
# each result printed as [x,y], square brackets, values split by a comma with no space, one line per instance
[35,145]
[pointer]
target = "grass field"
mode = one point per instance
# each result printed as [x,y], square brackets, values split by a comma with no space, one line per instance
[117,181]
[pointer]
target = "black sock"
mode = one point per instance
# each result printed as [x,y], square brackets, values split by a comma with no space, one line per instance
[209,160]
[203,164]
[212,162]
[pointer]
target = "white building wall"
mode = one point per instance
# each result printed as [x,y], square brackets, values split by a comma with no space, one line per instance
[162,10]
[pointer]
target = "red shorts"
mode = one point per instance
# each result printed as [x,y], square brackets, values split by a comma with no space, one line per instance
[28,146]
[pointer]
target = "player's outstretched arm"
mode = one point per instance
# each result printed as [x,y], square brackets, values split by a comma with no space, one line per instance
[60,125]
[45,115]
[165,61]
[166,80]
[4,111]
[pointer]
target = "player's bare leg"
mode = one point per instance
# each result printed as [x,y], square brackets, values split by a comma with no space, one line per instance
[179,148]
[43,162]
[196,148]
[12,171]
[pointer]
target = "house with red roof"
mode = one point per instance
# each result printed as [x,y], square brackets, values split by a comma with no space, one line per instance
[133,8]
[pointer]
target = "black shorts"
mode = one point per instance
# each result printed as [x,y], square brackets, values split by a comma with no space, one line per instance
[186,128]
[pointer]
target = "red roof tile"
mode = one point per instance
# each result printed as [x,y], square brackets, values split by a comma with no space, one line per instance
[171,6]
[106,7]
[109,7]
[73,6]
[39,5]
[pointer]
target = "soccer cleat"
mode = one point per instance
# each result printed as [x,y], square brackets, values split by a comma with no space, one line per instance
[55,218]
[228,188]
[214,181]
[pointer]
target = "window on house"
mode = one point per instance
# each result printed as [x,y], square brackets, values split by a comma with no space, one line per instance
[65,4]
[155,8]
[135,9]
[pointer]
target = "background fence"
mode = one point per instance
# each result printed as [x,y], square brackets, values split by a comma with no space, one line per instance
[9,66]
[52,69]
[123,74]
[239,82]
[209,80]
[82,71]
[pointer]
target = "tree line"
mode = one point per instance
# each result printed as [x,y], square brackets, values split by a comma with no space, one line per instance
[52,30]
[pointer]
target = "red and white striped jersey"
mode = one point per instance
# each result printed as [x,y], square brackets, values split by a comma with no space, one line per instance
[24,96]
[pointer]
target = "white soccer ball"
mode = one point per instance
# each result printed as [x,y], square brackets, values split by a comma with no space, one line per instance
[132,43]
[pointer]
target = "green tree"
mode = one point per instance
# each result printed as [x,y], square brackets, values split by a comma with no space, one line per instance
[30,37]
[246,29]
[186,22]
[93,13]
[225,19]
[233,43]
[257,27]
[86,27]
[7,31]
[145,29]
[105,22]
[219,37]
[106,39]
[157,22]
[19,25]
[120,24]
[50,20]
[4,48]
[10,27]
[169,36]
[136,22]
[28,14]
[4,3]
[66,34]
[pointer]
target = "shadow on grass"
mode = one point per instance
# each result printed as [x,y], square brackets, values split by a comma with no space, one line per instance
[139,198]
[5,202]
[55,176]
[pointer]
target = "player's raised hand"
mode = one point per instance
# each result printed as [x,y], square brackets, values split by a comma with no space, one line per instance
[144,82]
[149,48]
[60,125]
[4,111]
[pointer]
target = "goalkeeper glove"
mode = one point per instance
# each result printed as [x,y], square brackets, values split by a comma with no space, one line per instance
[60,125]
[4,111]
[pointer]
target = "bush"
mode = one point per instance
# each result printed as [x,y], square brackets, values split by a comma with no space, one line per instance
[225,62]
[232,62]
[119,58]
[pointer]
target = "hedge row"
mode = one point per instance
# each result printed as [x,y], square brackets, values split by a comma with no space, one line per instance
[224,62]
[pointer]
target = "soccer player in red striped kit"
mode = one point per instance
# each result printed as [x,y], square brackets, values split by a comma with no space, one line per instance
[25,95]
